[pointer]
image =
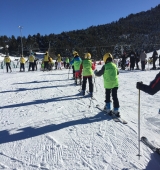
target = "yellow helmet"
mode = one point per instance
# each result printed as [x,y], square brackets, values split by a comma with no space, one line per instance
[87,55]
[58,55]
[106,56]
[75,53]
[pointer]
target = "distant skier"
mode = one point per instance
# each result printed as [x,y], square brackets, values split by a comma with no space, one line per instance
[22,62]
[59,60]
[7,61]
[154,57]
[151,89]
[123,62]
[110,77]
[46,60]
[31,59]
[143,57]
[132,56]
[86,68]
[76,63]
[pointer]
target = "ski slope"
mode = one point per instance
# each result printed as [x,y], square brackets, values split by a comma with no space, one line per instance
[45,124]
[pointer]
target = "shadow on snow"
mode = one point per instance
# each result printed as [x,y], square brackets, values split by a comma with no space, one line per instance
[30,132]
[71,97]
[37,88]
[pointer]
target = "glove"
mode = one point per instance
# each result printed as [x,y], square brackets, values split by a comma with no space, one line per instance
[138,85]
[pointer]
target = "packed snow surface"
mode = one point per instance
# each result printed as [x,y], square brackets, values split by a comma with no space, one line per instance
[46,124]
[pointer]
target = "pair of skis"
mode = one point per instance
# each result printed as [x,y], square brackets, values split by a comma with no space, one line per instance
[115,118]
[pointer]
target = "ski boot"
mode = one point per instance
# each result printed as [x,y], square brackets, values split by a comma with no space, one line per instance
[107,108]
[116,112]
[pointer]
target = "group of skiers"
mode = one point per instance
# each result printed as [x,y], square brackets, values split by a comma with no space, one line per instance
[31,59]
[135,58]
[82,68]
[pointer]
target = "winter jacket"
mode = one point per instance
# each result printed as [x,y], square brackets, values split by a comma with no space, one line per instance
[87,66]
[155,55]
[110,75]
[7,59]
[154,86]
[46,58]
[31,58]
[22,60]
[76,62]
[143,56]
[67,60]
[59,59]
[132,56]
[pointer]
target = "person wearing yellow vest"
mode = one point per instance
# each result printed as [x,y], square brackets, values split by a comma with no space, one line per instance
[7,61]
[31,59]
[50,63]
[59,60]
[110,77]
[87,68]
[46,60]
[22,62]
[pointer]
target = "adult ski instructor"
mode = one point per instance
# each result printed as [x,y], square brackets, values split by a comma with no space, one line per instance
[151,89]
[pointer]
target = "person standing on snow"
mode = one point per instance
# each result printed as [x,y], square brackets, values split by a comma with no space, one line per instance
[7,61]
[123,64]
[46,60]
[137,59]
[76,62]
[143,57]
[132,56]
[154,57]
[67,62]
[59,60]
[110,77]
[151,89]
[22,62]
[31,61]
[86,68]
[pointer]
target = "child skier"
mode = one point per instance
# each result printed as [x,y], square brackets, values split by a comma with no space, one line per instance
[76,63]
[86,68]
[110,77]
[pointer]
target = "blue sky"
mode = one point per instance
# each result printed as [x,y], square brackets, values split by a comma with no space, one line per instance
[55,16]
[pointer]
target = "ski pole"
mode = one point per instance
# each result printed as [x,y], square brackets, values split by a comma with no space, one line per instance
[139,124]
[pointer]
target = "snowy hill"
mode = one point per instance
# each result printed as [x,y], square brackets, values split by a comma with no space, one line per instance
[46,125]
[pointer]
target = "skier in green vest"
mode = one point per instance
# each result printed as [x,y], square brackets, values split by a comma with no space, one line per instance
[87,68]
[110,76]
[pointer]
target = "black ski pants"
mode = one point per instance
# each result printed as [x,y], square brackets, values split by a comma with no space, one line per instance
[143,65]
[8,66]
[73,71]
[45,65]
[22,66]
[108,93]
[31,64]
[90,83]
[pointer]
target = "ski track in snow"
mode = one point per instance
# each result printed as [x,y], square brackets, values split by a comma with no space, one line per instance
[46,125]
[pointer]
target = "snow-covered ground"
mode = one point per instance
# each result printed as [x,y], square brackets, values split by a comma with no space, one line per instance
[46,125]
